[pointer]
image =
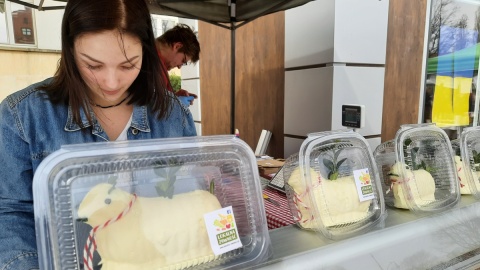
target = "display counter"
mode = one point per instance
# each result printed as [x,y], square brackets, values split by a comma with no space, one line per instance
[447,240]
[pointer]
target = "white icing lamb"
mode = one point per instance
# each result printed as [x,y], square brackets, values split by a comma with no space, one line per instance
[156,233]
[420,182]
[337,200]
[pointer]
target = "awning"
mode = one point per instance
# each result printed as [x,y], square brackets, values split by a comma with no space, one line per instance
[40,6]
[219,12]
[222,11]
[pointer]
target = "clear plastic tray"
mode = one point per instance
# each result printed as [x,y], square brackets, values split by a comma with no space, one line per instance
[418,170]
[469,167]
[144,205]
[333,186]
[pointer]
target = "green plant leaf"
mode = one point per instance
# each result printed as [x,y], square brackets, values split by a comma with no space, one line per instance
[340,163]
[167,170]
[212,187]
[335,156]
[476,156]
[329,164]
[162,172]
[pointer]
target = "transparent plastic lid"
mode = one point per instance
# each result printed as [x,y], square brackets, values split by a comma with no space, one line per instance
[333,185]
[154,204]
[418,169]
[468,164]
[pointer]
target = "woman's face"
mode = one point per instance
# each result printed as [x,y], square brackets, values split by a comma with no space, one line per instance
[108,63]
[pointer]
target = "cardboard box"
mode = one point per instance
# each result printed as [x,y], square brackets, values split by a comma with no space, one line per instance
[269,166]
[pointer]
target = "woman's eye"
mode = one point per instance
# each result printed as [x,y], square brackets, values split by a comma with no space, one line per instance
[129,67]
[93,67]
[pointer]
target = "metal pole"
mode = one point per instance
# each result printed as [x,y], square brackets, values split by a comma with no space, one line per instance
[232,86]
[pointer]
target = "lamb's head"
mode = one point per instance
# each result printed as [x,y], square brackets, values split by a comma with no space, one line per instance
[397,170]
[102,203]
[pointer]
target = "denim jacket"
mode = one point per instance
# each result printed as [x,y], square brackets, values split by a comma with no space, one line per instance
[31,128]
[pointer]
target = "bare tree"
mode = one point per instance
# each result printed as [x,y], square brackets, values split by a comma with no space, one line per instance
[443,12]
[477,19]
[462,35]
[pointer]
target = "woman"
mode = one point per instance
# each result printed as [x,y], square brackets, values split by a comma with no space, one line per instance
[106,88]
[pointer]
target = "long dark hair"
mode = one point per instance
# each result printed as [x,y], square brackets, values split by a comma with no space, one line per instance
[94,16]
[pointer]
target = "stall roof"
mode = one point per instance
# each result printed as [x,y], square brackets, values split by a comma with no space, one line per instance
[222,11]
[225,13]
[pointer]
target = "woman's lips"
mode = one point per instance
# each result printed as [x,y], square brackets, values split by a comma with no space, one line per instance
[111,93]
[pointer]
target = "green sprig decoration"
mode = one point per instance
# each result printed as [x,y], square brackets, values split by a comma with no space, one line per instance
[167,170]
[332,163]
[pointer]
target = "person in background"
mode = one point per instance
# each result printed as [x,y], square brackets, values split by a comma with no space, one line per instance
[176,48]
[106,88]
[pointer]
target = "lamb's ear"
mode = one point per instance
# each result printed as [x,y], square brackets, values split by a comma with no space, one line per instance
[113,181]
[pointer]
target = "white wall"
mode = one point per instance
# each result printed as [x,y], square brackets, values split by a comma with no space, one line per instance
[191,80]
[360,31]
[308,98]
[309,34]
[48,26]
[359,85]
[334,55]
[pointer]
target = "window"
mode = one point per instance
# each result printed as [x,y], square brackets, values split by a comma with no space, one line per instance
[451,70]
[162,23]
[26,31]
[16,24]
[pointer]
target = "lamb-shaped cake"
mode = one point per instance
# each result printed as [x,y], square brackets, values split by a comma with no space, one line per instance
[420,182]
[140,233]
[336,198]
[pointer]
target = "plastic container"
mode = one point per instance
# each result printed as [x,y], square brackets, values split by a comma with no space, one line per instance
[468,167]
[333,186]
[462,178]
[151,204]
[418,170]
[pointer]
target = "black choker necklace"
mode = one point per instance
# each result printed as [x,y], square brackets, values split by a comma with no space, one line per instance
[111,106]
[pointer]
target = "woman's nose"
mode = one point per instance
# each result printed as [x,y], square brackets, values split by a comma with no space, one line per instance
[111,80]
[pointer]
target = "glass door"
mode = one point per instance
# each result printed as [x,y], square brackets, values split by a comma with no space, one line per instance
[451,71]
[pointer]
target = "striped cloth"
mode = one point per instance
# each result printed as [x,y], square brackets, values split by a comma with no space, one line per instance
[277,216]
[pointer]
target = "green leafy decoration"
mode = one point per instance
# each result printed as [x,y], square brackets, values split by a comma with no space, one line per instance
[113,181]
[333,164]
[414,153]
[212,187]
[476,160]
[167,170]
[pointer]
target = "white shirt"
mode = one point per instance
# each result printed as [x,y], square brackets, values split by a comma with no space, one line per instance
[123,135]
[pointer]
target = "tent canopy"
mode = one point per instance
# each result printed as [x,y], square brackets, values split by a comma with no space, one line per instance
[222,11]
[219,12]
